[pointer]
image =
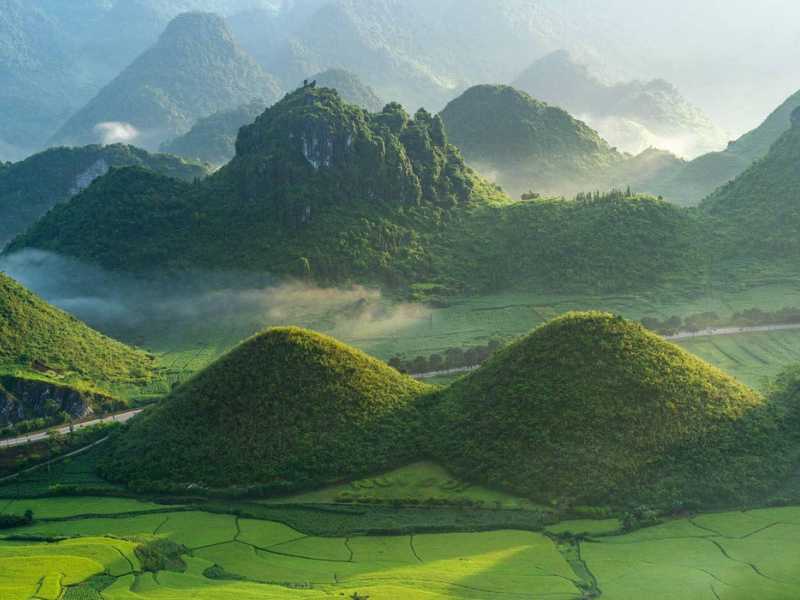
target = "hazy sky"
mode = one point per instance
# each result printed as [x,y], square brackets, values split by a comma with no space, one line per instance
[737,59]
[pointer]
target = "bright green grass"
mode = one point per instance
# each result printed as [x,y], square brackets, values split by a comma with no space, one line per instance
[192,529]
[419,481]
[736,556]
[504,563]
[127,526]
[586,526]
[42,570]
[198,529]
[54,508]
[264,534]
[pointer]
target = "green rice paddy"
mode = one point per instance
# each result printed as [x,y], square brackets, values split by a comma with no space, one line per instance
[732,556]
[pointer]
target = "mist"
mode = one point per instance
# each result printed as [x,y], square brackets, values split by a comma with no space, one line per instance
[114,132]
[202,307]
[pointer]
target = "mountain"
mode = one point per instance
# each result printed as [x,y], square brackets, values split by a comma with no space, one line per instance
[35,91]
[37,337]
[701,176]
[593,409]
[527,144]
[28,189]
[418,52]
[323,190]
[756,214]
[310,168]
[213,139]
[286,409]
[194,70]
[350,88]
[632,115]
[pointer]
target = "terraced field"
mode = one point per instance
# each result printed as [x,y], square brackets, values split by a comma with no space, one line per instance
[732,556]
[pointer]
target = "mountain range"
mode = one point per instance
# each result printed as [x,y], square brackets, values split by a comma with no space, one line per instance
[195,69]
[632,115]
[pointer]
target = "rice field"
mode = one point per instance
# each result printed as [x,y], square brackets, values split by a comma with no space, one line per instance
[731,556]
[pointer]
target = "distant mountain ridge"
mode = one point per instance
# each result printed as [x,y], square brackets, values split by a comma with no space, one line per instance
[325,191]
[632,115]
[530,145]
[195,69]
[29,188]
[703,175]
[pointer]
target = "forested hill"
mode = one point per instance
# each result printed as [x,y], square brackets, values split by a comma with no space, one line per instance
[757,213]
[528,144]
[324,190]
[29,188]
[195,69]
[700,177]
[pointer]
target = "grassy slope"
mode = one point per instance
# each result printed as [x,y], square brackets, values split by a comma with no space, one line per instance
[33,331]
[286,408]
[593,408]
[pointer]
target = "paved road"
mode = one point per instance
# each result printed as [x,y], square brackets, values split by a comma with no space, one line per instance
[42,435]
[681,335]
[685,335]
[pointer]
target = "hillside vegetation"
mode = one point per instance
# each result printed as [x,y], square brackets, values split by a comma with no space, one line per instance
[37,336]
[528,144]
[212,139]
[703,175]
[757,213]
[29,188]
[591,408]
[323,190]
[195,69]
[286,409]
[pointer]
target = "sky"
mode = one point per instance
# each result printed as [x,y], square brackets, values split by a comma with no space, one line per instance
[736,59]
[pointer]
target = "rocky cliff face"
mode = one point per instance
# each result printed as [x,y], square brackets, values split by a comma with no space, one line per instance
[313,137]
[22,399]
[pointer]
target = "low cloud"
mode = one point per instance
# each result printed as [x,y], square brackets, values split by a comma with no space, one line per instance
[116,132]
[199,306]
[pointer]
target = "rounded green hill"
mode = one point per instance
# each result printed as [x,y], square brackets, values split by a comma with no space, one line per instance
[285,409]
[593,408]
[37,336]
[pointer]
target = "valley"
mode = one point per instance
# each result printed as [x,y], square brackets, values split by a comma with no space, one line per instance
[399,299]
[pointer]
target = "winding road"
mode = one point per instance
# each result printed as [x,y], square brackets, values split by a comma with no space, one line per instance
[43,435]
